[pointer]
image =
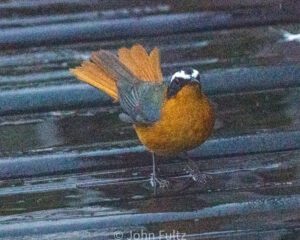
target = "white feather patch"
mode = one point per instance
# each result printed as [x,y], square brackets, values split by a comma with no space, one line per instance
[195,73]
[182,74]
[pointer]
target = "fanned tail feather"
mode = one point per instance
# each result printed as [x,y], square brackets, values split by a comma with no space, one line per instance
[143,66]
[94,75]
[104,69]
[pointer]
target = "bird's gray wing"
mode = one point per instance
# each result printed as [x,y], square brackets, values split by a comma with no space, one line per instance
[141,101]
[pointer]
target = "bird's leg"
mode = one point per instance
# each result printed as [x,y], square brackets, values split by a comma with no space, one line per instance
[194,170]
[153,176]
[154,180]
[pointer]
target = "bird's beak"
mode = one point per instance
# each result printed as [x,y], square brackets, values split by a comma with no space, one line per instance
[194,80]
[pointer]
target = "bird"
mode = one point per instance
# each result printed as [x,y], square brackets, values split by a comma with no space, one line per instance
[169,115]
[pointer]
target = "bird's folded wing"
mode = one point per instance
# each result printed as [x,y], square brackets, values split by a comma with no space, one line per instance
[142,102]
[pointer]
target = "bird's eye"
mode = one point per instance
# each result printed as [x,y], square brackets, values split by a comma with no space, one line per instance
[176,80]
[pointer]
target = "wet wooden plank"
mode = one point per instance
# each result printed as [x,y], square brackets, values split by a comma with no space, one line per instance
[252,122]
[264,170]
[82,160]
[207,51]
[168,220]
[69,169]
[256,186]
[39,79]
[146,25]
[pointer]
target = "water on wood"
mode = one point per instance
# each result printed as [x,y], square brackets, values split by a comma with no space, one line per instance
[70,169]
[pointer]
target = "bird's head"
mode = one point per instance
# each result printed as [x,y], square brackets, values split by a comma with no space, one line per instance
[182,78]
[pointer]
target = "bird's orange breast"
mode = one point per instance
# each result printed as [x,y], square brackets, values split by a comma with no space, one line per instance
[186,121]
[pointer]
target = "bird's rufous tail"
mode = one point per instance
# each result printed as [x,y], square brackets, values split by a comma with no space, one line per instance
[102,69]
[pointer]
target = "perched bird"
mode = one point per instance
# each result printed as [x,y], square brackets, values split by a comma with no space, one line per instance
[170,116]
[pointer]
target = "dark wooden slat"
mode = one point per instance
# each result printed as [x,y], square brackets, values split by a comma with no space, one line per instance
[269,45]
[268,190]
[70,161]
[81,95]
[247,113]
[31,13]
[145,26]
[80,5]
[27,13]
[264,206]
[50,98]
[222,235]
[109,174]
[69,12]
[40,79]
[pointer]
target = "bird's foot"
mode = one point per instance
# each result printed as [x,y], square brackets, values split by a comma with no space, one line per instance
[200,178]
[195,173]
[158,182]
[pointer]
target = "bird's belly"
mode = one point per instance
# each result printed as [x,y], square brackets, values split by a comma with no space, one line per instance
[183,126]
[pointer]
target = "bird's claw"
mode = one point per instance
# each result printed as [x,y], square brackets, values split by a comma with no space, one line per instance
[195,173]
[200,178]
[157,182]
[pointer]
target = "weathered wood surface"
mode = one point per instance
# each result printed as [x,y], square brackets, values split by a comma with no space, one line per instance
[69,169]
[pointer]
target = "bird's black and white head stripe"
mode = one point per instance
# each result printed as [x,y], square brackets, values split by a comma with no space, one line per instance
[180,79]
[186,75]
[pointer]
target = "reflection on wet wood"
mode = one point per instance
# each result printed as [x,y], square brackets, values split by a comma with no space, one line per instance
[69,169]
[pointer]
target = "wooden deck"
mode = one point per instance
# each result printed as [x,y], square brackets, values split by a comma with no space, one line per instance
[69,169]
